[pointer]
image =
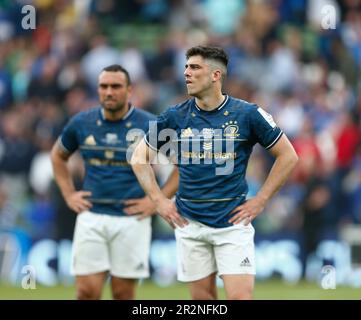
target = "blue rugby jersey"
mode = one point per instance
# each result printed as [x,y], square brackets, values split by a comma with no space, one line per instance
[103,145]
[212,149]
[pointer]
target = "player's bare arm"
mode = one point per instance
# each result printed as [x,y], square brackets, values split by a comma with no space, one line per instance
[76,200]
[141,166]
[145,207]
[285,160]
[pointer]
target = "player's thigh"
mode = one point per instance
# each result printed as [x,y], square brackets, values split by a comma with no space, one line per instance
[238,286]
[129,248]
[195,256]
[89,252]
[234,250]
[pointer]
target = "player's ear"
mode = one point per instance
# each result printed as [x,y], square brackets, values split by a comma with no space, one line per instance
[217,75]
[130,90]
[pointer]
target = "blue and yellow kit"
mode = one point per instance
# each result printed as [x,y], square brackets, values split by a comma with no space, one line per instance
[212,150]
[104,146]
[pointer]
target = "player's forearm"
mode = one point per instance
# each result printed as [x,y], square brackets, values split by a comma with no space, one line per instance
[62,175]
[140,162]
[281,170]
[148,182]
[171,186]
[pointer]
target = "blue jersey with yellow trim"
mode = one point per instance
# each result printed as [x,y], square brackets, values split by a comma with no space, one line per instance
[105,147]
[212,150]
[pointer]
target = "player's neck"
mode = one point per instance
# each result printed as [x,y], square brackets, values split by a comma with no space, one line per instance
[117,115]
[210,102]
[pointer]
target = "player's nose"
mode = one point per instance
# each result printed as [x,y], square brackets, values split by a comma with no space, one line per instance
[108,90]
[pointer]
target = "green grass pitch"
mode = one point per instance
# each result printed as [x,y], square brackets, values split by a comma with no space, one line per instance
[269,290]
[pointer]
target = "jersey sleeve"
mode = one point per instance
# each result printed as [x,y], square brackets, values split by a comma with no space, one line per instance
[265,131]
[68,138]
[160,131]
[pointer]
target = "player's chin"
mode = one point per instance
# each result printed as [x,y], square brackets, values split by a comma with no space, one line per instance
[111,106]
[192,92]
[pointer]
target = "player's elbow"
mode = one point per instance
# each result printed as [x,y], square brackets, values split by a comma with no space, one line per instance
[58,156]
[54,154]
[293,158]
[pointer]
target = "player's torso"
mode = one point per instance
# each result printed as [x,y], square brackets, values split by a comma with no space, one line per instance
[106,147]
[213,149]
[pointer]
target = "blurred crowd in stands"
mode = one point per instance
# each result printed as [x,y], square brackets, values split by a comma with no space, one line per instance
[281,57]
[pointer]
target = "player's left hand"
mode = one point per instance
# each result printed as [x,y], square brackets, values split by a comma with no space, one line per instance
[143,207]
[247,211]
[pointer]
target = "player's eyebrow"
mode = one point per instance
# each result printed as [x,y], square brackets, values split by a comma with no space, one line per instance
[113,85]
[192,65]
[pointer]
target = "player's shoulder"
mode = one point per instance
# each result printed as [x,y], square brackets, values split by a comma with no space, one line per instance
[243,106]
[184,104]
[143,114]
[181,108]
[87,115]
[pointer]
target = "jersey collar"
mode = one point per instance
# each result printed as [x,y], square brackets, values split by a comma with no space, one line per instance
[130,111]
[216,109]
[127,115]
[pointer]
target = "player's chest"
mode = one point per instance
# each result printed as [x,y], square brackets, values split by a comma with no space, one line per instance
[108,142]
[213,132]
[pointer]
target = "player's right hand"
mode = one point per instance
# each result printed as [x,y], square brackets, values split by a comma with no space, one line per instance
[168,211]
[143,207]
[76,201]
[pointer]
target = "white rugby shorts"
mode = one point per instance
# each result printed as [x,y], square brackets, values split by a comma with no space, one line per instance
[203,250]
[119,245]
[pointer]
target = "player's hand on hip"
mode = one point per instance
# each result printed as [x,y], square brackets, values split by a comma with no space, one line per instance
[168,211]
[247,211]
[143,207]
[77,201]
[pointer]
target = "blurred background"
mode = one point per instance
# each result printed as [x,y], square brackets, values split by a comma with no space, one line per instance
[298,59]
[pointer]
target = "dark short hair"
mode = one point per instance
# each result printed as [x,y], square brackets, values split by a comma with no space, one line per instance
[118,68]
[208,52]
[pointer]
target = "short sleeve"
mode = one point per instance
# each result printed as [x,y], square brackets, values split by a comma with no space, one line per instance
[265,131]
[161,131]
[68,138]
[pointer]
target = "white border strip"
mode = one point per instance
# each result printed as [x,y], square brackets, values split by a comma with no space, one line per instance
[149,145]
[274,142]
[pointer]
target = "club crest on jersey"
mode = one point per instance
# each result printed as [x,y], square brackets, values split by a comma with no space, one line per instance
[230,130]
